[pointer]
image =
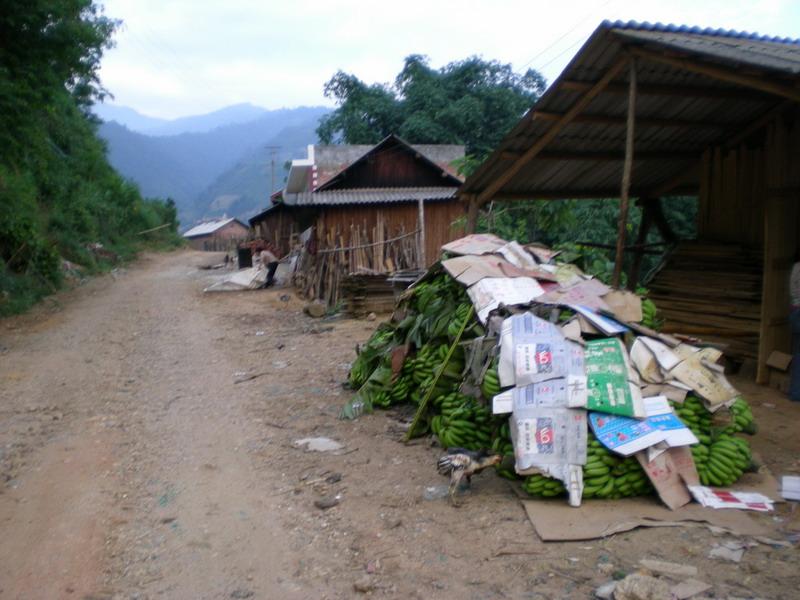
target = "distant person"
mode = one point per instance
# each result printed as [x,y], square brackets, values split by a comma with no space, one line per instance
[270,261]
[794,320]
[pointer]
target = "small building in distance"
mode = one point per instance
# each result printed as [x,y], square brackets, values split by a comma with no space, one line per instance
[217,235]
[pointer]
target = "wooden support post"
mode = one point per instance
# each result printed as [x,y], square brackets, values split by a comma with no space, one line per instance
[472,214]
[641,238]
[423,263]
[626,178]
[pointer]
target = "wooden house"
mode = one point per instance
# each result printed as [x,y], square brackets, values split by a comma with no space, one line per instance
[217,234]
[374,209]
[656,111]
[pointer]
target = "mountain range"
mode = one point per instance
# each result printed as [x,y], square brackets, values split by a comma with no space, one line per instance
[210,165]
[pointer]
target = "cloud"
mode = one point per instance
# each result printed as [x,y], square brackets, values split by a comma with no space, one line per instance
[185,57]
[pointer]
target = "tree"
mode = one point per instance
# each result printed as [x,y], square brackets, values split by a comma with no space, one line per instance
[58,194]
[48,46]
[474,102]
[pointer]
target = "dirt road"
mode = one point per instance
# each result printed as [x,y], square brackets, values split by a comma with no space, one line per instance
[147,451]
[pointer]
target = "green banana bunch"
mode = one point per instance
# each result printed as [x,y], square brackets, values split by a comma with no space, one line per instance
[457,317]
[400,389]
[724,461]
[543,487]
[695,416]
[720,457]
[462,422]
[369,355]
[501,444]
[490,386]
[742,418]
[608,475]
[650,315]
[381,399]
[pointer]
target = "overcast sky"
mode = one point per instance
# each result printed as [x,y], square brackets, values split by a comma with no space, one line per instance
[182,57]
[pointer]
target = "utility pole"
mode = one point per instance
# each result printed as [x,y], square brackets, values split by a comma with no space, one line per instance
[273,150]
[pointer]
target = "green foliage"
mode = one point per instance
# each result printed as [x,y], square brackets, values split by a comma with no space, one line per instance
[57,191]
[563,224]
[474,102]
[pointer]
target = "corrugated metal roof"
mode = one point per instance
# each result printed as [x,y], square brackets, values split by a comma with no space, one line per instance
[437,156]
[209,227]
[679,112]
[369,196]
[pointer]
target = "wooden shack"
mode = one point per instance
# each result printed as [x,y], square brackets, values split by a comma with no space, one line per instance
[217,234]
[387,208]
[656,111]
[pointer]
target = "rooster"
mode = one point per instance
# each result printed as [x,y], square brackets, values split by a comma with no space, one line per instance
[459,463]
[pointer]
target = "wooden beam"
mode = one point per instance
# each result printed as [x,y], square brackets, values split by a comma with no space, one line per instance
[472,213]
[580,194]
[423,263]
[488,193]
[604,156]
[684,178]
[650,89]
[640,122]
[557,195]
[627,170]
[763,84]
[616,156]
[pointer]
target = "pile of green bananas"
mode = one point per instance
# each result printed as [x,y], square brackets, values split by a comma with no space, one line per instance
[608,475]
[490,386]
[462,422]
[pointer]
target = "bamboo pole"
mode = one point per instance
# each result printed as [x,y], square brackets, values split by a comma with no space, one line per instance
[626,178]
[421,227]
[423,405]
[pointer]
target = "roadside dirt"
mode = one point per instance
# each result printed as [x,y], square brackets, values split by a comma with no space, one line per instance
[137,460]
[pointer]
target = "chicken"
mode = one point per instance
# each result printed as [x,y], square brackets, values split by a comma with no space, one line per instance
[459,463]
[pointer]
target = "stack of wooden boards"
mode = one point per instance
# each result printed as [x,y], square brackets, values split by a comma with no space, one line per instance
[366,293]
[713,291]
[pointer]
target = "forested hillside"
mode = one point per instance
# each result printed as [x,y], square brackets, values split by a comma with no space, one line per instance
[58,194]
[197,167]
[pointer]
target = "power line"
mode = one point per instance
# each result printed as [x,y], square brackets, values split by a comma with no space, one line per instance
[565,34]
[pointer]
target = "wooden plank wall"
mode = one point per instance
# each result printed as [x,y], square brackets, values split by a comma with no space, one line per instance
[781,224]
[750,195]
[732,186]
[281,225]
[398,218]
